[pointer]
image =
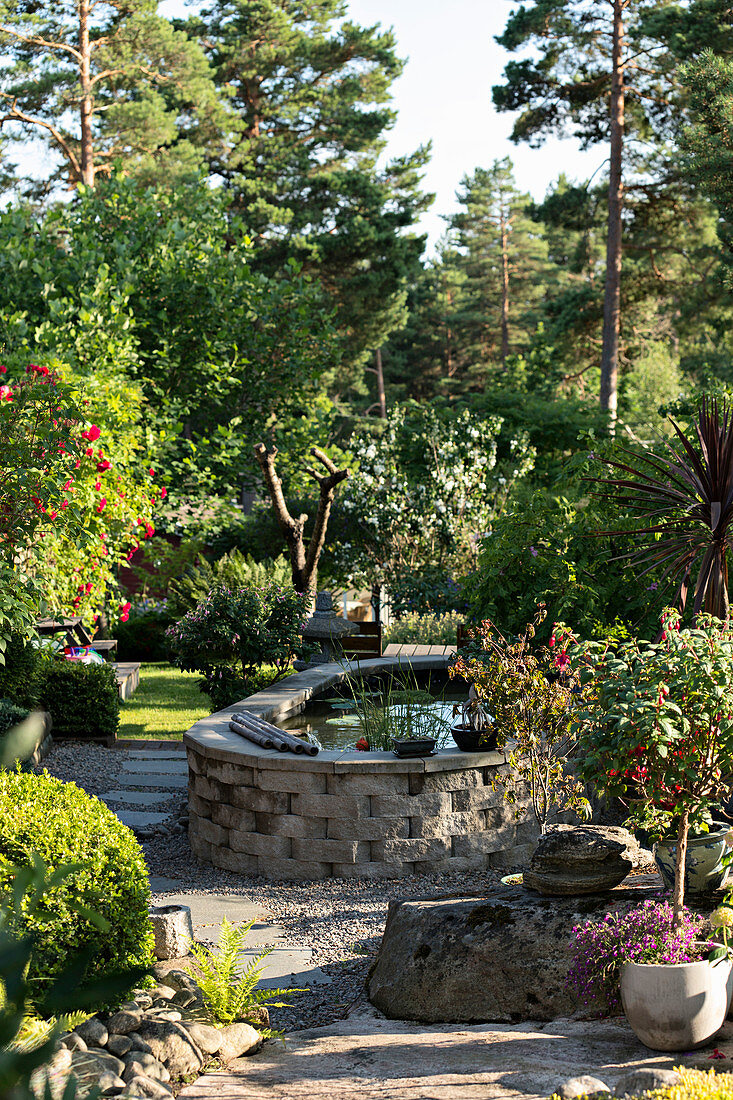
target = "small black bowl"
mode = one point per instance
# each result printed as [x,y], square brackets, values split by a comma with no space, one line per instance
[469,740]
[422,746]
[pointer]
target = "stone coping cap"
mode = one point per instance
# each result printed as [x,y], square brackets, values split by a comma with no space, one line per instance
[212,737]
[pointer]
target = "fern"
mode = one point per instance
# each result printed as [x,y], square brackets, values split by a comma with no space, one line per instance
[230,989]
[234,569]
[35,1031]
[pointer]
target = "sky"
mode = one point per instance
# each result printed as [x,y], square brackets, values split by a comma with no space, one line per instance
[444,96]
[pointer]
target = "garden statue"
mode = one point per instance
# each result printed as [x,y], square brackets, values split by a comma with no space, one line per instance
[328,629]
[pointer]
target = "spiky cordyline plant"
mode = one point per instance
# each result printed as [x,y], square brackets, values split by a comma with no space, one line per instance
[686,493]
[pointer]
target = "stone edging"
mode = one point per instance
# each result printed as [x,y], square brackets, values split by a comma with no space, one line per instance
[343,813]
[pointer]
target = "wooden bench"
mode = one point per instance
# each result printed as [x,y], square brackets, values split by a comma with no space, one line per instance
[367,643]
[76,634]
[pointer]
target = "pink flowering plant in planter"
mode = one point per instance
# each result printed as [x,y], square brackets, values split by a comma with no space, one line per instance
[655,726]
[645,934]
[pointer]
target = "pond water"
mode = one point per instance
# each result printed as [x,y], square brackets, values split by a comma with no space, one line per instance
[334,722]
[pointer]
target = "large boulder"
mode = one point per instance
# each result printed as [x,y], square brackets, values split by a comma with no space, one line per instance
[502,958]
[581,859]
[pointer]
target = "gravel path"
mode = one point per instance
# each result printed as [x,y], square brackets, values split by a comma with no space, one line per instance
[341,920]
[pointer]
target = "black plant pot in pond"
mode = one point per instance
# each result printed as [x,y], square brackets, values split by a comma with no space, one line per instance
[471,740]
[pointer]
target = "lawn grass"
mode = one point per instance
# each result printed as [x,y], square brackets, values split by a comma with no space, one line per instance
[166,703]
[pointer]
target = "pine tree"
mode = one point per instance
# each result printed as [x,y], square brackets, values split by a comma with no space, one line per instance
[601,76]
[105,81]
[311,94]
[503,256]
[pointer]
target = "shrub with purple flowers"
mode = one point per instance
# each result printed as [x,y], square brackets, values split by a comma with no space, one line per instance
[646,934]
[234,631]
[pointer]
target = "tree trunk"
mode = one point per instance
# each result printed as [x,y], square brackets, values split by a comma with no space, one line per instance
[504,289]
[303,560]
[86,105]
[612,297]
[678,896]
[380,383]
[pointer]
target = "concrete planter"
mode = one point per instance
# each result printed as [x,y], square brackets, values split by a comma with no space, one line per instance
[704,871]
[676,1007]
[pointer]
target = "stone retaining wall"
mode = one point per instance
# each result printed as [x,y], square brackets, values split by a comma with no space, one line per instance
[343,814]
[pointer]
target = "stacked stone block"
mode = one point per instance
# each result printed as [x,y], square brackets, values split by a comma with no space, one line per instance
[295,818]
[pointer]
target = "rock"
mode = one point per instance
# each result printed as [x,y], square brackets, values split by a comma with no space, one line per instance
[502,958]
[50,1080]
[580,1086]
[173,930]
[639,1081]
[93,1032]
[165,1014]
[72,1041]
[184,998]
[171,1044]
[109,1084]
[238,1040]
[144,1086]
[162,993]
[119,1044]
[89,1065]
[258,1016]
[124,1022]
[138,1043]
[207,1038]
[581,859]
[145,1065]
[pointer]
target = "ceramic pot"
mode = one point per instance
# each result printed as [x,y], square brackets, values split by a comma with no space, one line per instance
[470,740]
[679,1006]
[703,864]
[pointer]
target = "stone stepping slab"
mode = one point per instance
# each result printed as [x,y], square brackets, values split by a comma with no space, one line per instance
[287,967]
[138,819]
[146,779]
[164,767]
[153,754]
[140,798]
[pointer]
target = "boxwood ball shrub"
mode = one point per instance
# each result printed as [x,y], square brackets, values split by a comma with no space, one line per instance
[83,700]
[65,825]
[18,675]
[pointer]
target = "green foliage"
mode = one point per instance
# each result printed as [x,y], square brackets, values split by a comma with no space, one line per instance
[141,636]
[83,700]
[427,483]
[229,988]
[520,685]
[161,561]
[233,569]
[549,549]
[233,631]
[11,715]
[18,676]
[426,629]
[108,885]
[400,710]
[431,590]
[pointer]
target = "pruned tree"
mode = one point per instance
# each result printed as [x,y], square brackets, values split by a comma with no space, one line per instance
[303,558]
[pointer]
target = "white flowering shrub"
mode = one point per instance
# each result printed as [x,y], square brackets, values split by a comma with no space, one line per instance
[424,491]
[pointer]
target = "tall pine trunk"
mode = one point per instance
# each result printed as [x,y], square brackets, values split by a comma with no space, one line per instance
[381,396]
[86,105]
[612,297]
[504,289]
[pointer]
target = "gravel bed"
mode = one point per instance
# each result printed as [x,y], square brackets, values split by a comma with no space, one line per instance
[341,920]
[93,767]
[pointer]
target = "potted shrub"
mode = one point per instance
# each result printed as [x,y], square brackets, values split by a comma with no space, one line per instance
[655,728]
[529,691]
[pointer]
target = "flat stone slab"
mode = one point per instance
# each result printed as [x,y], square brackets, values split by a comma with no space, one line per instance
[138,798]
[140,819]
[147,779]
[154,764]
[374,1059]
[288,967]
[155,754]
[210,909]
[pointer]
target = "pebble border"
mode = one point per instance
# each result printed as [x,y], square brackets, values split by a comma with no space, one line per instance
[344,814]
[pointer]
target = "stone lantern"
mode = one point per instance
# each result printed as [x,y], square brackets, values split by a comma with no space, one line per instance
[328,629]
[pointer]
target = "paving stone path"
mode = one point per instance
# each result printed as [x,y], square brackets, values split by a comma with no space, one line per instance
[148,789]
[370,1058]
